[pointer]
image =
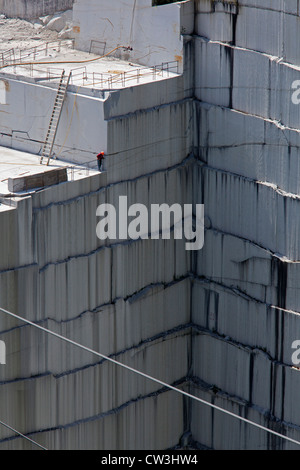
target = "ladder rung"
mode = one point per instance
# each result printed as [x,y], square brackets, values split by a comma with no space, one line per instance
[58,103]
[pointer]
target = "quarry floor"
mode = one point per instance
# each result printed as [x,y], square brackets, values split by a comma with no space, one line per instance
[17,33]
[89,70]
[15,164]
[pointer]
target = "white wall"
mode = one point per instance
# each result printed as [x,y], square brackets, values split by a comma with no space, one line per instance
[25,116]
[264,26]
[154,33]
[28,9]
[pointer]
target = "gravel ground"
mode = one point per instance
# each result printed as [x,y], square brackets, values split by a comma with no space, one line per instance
[22,34]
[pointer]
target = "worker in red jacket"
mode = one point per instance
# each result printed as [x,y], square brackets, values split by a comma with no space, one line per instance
[100,158]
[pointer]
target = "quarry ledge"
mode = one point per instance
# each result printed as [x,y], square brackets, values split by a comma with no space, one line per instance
[271,186]
[218,393]
[110,246]
[275,122]
[238,292]
[178,383]
[37,206]
[268,251]
[291,10]
[180,330]
[18,167]
[240,48]
[130,298]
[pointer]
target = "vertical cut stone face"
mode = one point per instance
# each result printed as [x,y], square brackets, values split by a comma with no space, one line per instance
[218,322]
[30,9]
[129,299]
[246,302]
[109,27]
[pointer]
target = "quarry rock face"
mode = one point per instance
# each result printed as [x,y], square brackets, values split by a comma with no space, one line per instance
[219,322]
[30,9]
[246,302]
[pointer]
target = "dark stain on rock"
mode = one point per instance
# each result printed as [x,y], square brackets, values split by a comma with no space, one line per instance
[279,267]
[251,367]
[282,392]
[234,23]
[281,283]
[229,51]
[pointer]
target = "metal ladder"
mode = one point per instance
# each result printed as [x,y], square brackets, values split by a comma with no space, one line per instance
[55,116]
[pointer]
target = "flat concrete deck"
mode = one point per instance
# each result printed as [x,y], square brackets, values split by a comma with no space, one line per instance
[16,164]
[89,70]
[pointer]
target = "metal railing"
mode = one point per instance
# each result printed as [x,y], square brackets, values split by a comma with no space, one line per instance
[97,47]
[80,75]
[122,79]
[19,56]
[84,172]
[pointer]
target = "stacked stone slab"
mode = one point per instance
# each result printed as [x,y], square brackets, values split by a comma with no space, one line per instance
[219,322]
[127,299]
[245,295]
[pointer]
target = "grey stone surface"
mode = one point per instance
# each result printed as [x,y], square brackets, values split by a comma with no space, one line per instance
[30,9]
[219,322]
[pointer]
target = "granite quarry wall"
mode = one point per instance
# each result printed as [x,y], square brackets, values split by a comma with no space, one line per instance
[102,293]
[153,33]
[26,107]
[30,9]
[223,319]
[245,300]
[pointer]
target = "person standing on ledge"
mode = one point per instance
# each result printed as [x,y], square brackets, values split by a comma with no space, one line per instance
[100,158]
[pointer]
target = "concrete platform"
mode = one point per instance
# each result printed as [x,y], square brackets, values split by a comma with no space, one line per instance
[16,164]
[46,63]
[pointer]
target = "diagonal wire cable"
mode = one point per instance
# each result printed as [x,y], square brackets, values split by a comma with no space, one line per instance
[22,435]
[149,377]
